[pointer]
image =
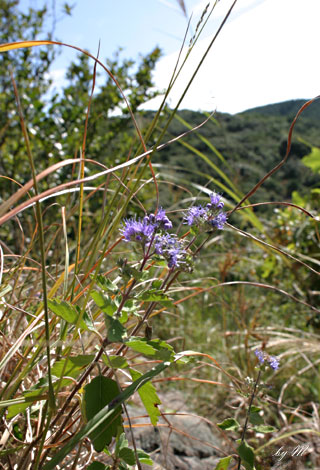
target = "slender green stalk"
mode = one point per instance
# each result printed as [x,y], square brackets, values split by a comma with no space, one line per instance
[41,244]
[248,412]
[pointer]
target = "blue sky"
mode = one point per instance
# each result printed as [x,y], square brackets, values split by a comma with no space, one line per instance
[267,52]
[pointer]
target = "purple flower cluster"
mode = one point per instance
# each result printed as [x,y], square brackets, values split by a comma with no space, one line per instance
[171,248]
[143,230]
[207,217]
[137,230]
[160,220]
[151,233]
[263,356]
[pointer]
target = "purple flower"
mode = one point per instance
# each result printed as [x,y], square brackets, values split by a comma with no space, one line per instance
[209,216]
[137,230]
[160,220]
[274,362]
[260,355]
[171,249]
[219,220]
[216,202]
[195,214]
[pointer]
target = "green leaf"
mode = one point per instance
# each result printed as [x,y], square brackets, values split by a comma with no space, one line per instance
[144,457]
[70,313]
[64,310]
[223,463]
[312,160]
[149,398]
[17,432]
[229,424]
[246,454]
[72,366]
[97,466]
[255,418]
[103,417]
[264,429]
[82,360]
[154,295]
[121,442]
[129,271]
[106,284]
[106,304]
[116,362]
[157,284]
[141,346]
[97,395]
[27,400]
[155,348]
[127,455]
[255,409]
[116,331]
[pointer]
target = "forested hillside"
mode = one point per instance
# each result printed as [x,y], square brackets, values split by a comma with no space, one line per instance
[252,143]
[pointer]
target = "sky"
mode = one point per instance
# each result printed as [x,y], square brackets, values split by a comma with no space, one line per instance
[267,52]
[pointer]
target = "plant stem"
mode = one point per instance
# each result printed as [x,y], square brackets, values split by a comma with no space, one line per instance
[248,412]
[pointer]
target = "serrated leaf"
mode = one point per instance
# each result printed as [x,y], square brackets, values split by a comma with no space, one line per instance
[98,394]
[246,454]
[255,418]
[154,295]
[67,312]
[116,362]
[141,346]
[106,284]
[127,455]
[116,331]
[72,366]
[129,271]
[255,409]
[264,428]
[223,463]
[144,457]
[149,398]
[229,424]
[82,360]
[157,284]
[97,466]
[106,304]
[155,348]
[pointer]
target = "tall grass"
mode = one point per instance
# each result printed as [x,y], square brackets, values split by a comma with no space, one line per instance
[88,320]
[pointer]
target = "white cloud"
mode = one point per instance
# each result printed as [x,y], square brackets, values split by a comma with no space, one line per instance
[267,53]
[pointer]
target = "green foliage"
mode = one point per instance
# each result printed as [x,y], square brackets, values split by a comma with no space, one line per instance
[229,424]
[97,466]
[223,464]
[313,160]
[148,397]
[247,455]
[70,314]
[98,394]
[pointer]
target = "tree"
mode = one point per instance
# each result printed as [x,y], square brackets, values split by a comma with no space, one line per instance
[55,122]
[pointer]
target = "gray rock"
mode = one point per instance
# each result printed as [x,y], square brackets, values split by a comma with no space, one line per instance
[178,442]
